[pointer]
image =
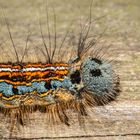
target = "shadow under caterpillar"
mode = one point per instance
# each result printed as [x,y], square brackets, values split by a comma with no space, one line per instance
[86,79]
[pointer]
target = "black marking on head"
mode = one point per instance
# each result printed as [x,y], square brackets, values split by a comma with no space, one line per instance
[96,60]
[15,90]
[95,72]
[48,85]
[75,77]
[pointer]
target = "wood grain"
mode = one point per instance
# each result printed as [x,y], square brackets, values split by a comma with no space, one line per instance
[120,120]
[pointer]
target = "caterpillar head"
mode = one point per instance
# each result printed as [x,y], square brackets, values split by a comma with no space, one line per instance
[97,75]
[99,80]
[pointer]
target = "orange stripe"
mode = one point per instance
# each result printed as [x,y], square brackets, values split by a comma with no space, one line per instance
[58,74]
[29,75]
[32,73]
[10,66]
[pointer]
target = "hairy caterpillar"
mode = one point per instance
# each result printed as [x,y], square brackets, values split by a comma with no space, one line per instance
[83,80]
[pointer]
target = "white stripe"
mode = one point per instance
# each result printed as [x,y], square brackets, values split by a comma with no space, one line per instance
[33,69]
[8,69]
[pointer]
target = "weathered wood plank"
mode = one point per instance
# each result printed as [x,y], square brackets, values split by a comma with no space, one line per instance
[117,121]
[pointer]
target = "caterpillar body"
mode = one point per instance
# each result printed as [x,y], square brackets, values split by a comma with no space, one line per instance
[29,87]
[85,80]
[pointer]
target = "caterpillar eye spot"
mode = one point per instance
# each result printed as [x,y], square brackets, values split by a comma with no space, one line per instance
[75,77]
[95,72]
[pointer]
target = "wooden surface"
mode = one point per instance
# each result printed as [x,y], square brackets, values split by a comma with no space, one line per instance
[119,120]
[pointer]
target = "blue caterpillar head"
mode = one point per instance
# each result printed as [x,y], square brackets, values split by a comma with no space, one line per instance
[97,76]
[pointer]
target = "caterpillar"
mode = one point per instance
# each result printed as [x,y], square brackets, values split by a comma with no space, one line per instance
[83,79]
